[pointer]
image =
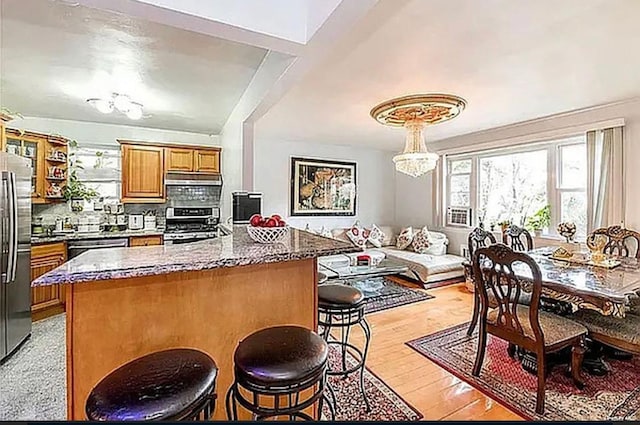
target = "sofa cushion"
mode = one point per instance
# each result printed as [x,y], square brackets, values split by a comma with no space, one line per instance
[425,266]
[389,235]
[358,234]
[376,236]
[340,234]
[421,241]
[405,238]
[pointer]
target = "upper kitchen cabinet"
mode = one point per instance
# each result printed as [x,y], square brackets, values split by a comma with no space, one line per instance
[142,173]
[4,119]
[48,155]
[193,160]
[179,159]
[207,161]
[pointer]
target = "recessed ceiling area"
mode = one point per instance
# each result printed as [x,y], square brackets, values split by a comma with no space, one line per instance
[511,60]
[56,55]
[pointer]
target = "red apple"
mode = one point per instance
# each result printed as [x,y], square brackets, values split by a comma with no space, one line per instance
[281,223]
[271,223]
[255,220]
[276,217]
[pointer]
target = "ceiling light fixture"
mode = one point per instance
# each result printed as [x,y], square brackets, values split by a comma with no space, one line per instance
[414,113]
[121,102]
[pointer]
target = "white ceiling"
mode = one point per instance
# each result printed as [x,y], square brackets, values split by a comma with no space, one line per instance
[55,56]
[511,60]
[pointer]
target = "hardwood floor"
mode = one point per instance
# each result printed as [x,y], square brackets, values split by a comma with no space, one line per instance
[436,393]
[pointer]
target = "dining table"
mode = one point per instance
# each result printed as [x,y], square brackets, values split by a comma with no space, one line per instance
[567,286]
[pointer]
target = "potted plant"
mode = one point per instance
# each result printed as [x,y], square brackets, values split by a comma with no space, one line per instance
[76,192]
[540,220]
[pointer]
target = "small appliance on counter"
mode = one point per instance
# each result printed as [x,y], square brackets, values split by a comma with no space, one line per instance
[136,222]
[150,222]
[246,204]
[36,226]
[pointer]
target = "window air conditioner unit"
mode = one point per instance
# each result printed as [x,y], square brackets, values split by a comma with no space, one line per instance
[458,216]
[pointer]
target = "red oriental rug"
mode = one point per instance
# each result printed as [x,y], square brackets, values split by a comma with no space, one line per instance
[615,396]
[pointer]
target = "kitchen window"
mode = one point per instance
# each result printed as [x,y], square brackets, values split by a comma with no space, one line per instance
[100,169]
[513,184]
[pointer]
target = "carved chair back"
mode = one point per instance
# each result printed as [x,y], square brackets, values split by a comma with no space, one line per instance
[494,273]
[620,242]
[517,238]
[479,238]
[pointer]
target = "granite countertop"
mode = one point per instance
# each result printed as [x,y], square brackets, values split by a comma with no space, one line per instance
[75,236]
[226,251]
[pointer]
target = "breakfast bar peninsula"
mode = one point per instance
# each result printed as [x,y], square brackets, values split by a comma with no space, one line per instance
[123,303]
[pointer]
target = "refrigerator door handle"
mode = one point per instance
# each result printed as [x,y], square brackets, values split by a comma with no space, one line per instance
[12,263]
[4,195]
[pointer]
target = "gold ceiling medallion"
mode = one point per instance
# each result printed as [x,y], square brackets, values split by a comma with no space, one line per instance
[414,112]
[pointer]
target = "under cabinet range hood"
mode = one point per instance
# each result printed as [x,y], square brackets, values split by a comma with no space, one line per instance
[193,190]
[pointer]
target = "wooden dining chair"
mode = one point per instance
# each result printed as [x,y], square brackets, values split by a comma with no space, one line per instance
[478,238]
[621,242]
[529,328]
[517,238]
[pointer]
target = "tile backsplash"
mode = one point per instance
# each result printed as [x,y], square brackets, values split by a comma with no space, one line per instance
[50,212]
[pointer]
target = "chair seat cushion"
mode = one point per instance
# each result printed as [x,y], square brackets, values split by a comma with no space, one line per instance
[158,386]
[555,328]
[339,296]
[626,329]
[280,355]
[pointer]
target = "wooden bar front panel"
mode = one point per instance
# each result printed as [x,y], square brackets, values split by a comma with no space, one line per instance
[112,322]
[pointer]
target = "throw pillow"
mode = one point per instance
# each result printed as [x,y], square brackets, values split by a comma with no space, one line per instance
[405,238]
[421,241]
[358,234]
[376,236]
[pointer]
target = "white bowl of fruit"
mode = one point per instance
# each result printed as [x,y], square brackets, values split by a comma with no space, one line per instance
[267,229]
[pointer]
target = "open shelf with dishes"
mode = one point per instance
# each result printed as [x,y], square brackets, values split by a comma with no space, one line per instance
[48,156]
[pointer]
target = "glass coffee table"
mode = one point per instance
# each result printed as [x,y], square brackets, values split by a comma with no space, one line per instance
[362,277]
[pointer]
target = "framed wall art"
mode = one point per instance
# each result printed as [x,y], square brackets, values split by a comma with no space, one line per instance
[322,187]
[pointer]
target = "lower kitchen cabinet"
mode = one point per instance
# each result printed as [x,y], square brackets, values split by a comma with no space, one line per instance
[145,240]
[47,300]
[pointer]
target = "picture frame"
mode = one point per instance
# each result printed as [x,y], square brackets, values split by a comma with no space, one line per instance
[322,187]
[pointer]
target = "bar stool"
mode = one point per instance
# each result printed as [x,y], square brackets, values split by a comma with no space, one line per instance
[170,385]
[342,306]
[278,362]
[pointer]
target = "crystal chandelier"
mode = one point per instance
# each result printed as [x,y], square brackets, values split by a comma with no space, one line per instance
[414,113]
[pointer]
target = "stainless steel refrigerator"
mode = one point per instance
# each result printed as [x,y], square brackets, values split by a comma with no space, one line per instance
[15,252]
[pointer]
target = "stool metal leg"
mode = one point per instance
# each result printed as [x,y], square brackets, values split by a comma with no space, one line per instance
[367,338]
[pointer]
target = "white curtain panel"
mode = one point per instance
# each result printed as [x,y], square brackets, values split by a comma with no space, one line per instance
[605,178]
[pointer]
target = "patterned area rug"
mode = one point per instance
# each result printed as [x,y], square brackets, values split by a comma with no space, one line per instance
[383,294]
[386,404]
[32,383]
[615,396]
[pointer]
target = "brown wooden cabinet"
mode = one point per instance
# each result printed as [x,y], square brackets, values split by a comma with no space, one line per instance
[144,165]
[179,159]
[47,300]
[193,160]
[206,161]
[145,240]
[48,155]
[142,173]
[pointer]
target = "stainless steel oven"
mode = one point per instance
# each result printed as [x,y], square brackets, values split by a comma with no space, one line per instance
[189,224]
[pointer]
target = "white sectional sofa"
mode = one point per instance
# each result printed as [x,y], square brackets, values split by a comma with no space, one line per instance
[433,266]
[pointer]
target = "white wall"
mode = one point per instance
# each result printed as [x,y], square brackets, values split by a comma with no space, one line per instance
[413,200]
[106,134]
[375,179]
[628,110]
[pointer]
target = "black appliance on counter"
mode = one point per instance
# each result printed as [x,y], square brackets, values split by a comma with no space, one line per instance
[190,224]
[246,204]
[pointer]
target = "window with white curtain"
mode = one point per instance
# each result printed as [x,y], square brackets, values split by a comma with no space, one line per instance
[513,184]
[100,169]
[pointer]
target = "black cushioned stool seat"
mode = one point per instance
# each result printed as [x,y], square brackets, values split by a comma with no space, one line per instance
[339,296]
[175,384]
[276,362]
